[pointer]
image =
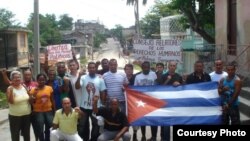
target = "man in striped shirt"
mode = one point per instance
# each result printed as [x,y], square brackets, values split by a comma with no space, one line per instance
[115,82]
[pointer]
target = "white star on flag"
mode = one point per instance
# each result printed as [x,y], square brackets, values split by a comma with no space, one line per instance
[140,103]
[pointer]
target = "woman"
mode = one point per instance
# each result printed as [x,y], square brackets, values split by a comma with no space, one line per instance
[43,107]
[19,108]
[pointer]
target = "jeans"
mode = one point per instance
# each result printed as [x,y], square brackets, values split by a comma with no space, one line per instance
[17,124]
[233,114]
[166,133]
[83,126]
[41,119]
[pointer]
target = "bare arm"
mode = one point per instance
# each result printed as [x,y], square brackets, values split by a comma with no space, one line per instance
[10,96]
[5,77]
[95,100]
[121,133]
[237,85]
[103,96]
[55,126]
[77,84]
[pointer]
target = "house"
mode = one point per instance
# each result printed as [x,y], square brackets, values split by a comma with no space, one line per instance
[232,22]
[14,51]
[193,45]
[14,48]
[81,42]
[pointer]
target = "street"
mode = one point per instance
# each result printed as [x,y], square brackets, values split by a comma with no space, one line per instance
[111,50]
[5,132]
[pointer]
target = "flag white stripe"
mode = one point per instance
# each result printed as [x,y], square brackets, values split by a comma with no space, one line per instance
[187,111]
[184,94]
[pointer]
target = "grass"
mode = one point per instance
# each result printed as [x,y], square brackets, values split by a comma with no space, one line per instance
[3,100]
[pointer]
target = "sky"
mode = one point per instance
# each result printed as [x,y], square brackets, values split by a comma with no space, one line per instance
[108,12]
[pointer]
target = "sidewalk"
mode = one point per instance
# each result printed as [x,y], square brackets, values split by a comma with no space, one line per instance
[4,115]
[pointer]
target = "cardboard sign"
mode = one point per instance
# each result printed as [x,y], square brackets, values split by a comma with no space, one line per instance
[57,53]
[157,50]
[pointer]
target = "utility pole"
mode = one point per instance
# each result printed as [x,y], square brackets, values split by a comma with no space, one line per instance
[36,39]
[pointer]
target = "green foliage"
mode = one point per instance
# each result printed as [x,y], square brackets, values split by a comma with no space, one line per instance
[3,100]
[65,22]
[150,24]
[7,19]
[99,39]
[83,61]
[198,15]
[117,32]
[49,30]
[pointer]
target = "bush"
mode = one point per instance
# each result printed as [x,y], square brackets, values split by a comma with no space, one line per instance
[3,100]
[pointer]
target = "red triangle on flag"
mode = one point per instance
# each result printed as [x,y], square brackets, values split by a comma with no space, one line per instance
[140,104]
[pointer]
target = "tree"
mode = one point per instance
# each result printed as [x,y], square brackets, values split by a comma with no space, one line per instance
[65,22]
[99,39]
[49,31]
[198,15]
[150,24]
[7,18]
[136,12]
[117,32]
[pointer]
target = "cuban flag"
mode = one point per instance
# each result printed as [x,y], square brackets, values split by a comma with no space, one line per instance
[193,104]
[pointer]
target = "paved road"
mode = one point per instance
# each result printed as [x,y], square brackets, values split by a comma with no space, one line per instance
[5,132]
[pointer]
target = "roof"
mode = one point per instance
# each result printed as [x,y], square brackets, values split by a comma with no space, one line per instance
[15,29]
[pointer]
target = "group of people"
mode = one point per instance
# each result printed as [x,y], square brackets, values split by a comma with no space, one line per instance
[60,103]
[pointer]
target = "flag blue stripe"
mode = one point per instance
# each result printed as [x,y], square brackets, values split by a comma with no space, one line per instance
[167,121]
[199,86]
[192,102]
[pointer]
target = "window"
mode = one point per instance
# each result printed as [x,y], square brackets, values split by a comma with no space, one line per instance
[232,29]
[22,40]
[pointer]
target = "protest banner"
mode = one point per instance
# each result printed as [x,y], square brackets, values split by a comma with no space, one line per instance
[57,53]
[157,50]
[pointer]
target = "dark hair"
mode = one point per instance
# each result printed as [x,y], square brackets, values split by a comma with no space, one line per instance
[91,63]
[73,60]
[104,59]
[145,63]
[41,74]
[198,62]
[232,64]
[129,65]
[160,64]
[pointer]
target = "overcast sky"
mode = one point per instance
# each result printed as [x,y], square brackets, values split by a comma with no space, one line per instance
[108,12]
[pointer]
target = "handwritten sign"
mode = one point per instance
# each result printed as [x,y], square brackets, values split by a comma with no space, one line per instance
[61,52]
[157,50]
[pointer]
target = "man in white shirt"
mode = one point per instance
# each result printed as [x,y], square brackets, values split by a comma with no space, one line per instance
[146,78]
[92,85]
[218,74]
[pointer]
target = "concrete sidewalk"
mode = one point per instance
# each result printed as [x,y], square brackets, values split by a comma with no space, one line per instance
[4,115]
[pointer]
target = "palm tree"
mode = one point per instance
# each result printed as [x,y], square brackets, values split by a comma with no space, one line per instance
[136,12]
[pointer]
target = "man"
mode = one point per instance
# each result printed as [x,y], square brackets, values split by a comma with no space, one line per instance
[105,66]
[229,89]
[146,78]
[159,72]
[115,82]
[198,75]
[65,123]
[91,85]
[73,75]
[174,79]
[218,74]
[66,89]
[116,124]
